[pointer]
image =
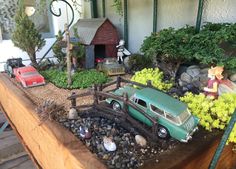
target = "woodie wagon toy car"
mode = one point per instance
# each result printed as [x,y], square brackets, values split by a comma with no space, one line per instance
[11,64]
[28,76]
[173,117]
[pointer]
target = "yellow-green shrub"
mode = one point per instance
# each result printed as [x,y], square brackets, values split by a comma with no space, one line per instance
[213,113]
[155,75]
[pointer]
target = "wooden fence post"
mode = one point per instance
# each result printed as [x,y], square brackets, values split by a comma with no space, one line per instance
[149,83]
[95,97]
[118,82]
[73,100]
[100,89]
[125,107]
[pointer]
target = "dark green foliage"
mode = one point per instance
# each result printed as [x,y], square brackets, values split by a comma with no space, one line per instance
[79,50]
[26,36]
[170,45]
[81,79]
[138,62]
[57,49]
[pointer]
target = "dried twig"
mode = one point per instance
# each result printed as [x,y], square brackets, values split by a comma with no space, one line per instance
[48,110]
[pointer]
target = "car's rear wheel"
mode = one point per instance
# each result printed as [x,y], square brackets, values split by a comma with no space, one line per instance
[116,106]
[162,132]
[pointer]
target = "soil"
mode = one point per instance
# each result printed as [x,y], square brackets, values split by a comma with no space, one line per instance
[153,156]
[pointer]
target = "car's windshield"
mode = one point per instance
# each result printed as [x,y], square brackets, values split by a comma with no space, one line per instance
[109,61]
[184,116]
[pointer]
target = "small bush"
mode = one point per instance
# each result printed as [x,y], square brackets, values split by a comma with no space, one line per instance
[138,62]
[155,75]
[213,114]
[81,79]
[181,45]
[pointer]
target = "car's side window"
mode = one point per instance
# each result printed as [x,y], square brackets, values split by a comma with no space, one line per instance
[172,118]
[157,110]
[141,103]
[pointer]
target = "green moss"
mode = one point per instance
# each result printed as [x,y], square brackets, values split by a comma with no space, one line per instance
[80,80]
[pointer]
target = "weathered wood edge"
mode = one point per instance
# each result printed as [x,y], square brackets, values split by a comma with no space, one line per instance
[20,138]
[51,145]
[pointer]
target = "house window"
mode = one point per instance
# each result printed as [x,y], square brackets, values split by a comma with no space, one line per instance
[41,18]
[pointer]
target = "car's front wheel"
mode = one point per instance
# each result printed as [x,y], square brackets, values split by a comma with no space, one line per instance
[116,106]
[162,132]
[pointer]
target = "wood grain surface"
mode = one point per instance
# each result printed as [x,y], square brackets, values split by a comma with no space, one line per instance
[51,145]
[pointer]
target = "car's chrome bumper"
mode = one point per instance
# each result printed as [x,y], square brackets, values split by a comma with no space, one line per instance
[189,136]
[36,84]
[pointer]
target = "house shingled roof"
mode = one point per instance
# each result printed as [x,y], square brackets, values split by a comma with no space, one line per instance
[87,29]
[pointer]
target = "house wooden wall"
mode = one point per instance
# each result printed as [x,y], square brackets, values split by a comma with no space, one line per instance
[107,35]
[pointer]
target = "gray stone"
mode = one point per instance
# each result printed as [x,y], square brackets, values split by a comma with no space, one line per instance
[193,72]
[73,114]
[196,78]
[203,79]
[186,78]
[196,84]
[204,71]
[109,144]
[140,140]
[193,67]
[182,83]
[233,77]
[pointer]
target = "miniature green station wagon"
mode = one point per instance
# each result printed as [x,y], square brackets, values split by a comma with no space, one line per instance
[173,116]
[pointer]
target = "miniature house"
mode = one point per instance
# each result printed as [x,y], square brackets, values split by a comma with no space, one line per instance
[99,36]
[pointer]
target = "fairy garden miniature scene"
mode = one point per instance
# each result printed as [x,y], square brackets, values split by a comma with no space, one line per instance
[131,109]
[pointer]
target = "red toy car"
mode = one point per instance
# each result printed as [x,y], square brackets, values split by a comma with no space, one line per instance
[28,76]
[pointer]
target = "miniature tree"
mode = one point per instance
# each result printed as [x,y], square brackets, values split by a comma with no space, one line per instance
[26,36]
[78,51]
[57,50]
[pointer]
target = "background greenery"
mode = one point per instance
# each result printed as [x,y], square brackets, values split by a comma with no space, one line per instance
[183,45]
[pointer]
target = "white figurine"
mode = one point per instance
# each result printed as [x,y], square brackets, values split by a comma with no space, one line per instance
[122,51]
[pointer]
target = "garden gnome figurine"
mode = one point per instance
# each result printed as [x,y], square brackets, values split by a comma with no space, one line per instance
[121,51]
[215,75]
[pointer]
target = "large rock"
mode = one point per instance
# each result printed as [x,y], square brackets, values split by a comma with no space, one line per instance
[186,77]
[140,140]
[203,79]
[73,114]
[182,83]
[194,67]
[193,72]
[233,77]
[204,71]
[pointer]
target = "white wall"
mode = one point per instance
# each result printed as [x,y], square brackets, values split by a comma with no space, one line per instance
[8,50]
[170,13]
[219,11]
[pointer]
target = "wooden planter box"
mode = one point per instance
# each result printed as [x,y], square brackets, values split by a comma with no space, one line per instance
[51,146]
